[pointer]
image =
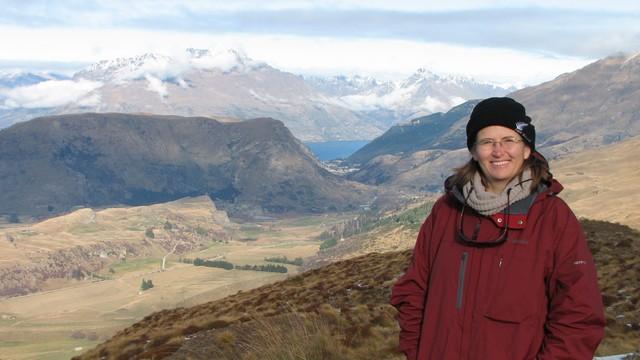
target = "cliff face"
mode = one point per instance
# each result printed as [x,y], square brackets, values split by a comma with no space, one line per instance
[52,164]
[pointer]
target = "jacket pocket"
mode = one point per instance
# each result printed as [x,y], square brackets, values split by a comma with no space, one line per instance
[519,293]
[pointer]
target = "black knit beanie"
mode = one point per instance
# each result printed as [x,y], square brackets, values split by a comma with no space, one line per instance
[501,111]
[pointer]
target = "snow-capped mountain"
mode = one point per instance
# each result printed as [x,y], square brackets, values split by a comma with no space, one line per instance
[222,83]
[421,94]
[228,83]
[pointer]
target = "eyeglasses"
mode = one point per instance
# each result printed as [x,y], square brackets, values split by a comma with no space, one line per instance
[507,143]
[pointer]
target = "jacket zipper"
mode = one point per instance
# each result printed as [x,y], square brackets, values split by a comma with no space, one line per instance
[461,274]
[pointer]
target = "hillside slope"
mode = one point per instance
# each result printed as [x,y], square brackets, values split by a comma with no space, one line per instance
[603,183]
[349,300]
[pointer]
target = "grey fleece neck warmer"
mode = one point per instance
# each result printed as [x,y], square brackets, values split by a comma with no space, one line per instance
[488,203]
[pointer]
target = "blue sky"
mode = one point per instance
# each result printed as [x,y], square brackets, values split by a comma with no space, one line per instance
[510,42]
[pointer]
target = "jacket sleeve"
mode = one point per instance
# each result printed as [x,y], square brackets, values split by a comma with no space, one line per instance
[575,322]
[409,292]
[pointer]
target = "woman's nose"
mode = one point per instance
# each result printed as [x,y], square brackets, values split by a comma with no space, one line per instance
[497,148]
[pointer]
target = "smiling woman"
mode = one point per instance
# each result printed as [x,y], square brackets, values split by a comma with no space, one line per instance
[501,267]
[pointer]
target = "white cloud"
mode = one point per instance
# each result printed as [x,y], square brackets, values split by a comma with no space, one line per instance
[161,67]
[51,93]
[156,85]
[223,59]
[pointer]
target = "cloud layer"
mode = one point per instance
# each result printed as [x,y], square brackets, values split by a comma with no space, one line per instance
[506,42]
[572,28]
[50,93]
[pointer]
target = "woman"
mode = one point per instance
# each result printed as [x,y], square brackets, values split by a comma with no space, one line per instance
[501,267]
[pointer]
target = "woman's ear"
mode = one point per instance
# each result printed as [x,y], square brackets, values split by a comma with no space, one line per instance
[527,152]
[473,154]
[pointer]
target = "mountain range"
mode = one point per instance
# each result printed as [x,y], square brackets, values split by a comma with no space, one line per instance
[229,83]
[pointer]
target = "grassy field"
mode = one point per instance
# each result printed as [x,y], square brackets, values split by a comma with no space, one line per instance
[64,322]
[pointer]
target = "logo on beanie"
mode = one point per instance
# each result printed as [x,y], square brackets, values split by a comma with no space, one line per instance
[521,125]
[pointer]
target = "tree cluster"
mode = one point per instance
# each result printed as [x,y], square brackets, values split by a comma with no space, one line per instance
[213,263]
[229,266]
[267,268]
[284,260]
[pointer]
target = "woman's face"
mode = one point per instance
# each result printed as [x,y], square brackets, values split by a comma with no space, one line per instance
[501,153]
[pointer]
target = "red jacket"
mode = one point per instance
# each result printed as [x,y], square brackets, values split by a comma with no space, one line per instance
[535,296]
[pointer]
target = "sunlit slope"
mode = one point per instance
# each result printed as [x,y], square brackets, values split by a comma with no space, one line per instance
[603,183]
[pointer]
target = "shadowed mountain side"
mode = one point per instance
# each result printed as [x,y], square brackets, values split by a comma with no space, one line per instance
[351,298]
[603,183]
[51,164]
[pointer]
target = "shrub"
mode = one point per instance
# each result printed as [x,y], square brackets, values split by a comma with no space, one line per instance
[146,284]
[267,268]
[328,243]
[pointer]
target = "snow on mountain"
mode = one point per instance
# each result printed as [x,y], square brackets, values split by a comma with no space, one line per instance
[341,85]
[122,69]
[164,67]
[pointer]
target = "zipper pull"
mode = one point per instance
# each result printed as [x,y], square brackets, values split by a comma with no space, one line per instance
[500,264]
